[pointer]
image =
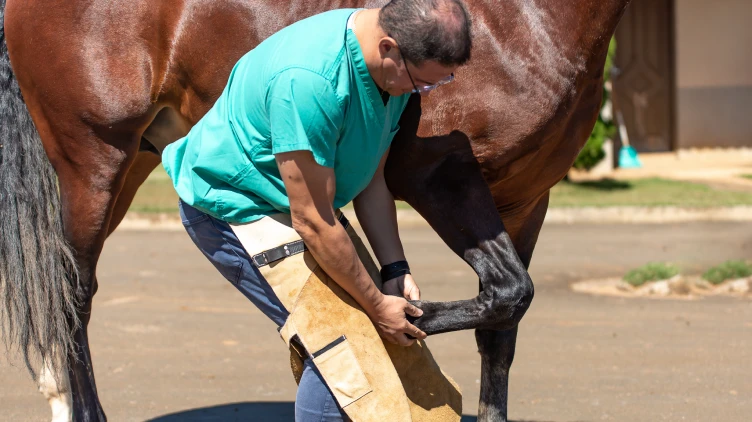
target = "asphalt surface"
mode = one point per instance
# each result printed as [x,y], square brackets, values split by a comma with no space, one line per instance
[172,341]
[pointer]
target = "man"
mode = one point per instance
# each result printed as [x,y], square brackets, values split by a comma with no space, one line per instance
[304,127]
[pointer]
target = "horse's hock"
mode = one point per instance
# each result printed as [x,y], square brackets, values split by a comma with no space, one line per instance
[678,287]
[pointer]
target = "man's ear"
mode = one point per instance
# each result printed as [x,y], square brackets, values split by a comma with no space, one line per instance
[386,46]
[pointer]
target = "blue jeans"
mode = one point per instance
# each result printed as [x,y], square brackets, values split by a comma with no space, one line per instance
[217,241]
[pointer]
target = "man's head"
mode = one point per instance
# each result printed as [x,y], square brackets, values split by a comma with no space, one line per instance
[425,42]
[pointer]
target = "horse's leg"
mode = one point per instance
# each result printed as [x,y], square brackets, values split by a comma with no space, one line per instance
[442,180]
[55,387]
[497,347]
[90,177]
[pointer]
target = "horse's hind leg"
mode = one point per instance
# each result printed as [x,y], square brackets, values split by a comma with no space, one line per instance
[90,175]
[55,387]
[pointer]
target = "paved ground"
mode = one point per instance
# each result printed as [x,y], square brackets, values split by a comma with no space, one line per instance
[173,342]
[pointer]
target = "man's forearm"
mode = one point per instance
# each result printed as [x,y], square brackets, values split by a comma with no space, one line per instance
[311,189]
[333,250]
[377,215]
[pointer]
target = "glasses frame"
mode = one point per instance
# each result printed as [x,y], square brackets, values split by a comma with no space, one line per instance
[425,88]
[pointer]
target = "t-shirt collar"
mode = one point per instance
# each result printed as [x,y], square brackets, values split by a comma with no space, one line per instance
[359,62]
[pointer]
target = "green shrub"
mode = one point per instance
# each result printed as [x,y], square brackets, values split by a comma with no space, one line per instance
[592,153]
[653,271]
[729,270]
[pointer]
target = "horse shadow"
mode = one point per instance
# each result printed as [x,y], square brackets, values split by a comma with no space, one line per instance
[248,411]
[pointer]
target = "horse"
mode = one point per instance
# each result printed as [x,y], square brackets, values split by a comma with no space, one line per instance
[93,90]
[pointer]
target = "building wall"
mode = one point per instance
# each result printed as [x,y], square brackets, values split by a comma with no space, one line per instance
[713,73]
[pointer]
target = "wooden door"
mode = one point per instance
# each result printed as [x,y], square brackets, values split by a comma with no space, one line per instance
[644,77]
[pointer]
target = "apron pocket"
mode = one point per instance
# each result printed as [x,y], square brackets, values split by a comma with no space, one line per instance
[340,368]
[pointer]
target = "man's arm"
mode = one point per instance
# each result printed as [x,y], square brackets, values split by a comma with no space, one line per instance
[377,215]
[311,188]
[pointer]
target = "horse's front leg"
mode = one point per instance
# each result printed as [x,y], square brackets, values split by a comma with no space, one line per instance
[442,180]
[457,204]
[497,347]
[449,191]
[506,290]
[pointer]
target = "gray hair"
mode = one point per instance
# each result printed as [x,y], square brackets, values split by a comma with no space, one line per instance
[429,30]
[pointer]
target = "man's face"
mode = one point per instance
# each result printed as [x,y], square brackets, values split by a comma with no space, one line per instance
[402,77]
[427,77]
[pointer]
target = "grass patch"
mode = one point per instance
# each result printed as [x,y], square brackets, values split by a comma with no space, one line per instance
[644,192]
[747,176]
[653,271]
[729,270]
[158,196]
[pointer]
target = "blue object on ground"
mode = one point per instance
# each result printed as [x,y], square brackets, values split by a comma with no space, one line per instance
[628,158]
[627,155]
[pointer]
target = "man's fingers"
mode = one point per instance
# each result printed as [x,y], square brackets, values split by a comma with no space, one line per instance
[414,294]
[415,331]
[412,310]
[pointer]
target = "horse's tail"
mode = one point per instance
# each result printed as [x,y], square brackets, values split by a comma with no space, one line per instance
[38,274]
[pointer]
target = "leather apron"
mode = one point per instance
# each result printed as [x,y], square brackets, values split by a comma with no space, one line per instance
[372,380]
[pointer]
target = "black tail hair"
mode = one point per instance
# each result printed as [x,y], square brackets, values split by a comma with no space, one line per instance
[38,274]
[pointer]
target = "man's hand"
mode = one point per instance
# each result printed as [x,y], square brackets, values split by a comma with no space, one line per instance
[388,316]
[404,286]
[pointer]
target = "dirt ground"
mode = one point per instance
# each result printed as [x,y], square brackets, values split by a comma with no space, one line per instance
[172,341]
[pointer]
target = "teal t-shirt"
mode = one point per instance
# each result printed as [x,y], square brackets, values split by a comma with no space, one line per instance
[306,87]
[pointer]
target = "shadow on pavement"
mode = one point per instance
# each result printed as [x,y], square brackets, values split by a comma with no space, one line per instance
[604,185]
[466,418]
[249,411]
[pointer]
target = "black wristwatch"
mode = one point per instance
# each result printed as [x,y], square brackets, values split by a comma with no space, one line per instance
[394,270]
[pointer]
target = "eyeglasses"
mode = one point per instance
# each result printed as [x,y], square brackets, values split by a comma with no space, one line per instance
[425,88]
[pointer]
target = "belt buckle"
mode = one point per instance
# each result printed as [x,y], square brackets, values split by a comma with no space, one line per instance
[260,260]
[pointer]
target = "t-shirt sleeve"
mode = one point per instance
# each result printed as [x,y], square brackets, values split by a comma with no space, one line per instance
[304,114]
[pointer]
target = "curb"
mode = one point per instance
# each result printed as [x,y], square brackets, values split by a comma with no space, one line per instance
[590,215]
[647,215]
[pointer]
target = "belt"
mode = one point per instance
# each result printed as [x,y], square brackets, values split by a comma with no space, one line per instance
[288,249]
